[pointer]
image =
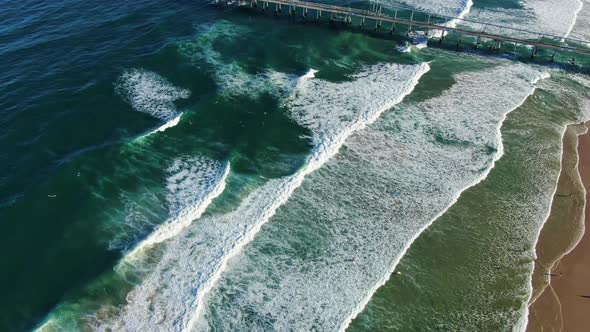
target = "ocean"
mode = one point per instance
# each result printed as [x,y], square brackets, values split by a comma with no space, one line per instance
[169,165]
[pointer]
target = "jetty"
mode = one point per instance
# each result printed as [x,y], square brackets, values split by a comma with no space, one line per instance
[431,25]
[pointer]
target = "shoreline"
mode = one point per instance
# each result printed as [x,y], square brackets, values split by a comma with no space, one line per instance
[560,274]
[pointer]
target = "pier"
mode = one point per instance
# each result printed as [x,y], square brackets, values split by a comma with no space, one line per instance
[406,21]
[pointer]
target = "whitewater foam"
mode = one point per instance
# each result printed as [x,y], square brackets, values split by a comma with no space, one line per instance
[465,9]
[583,116]
[451,8]
[173,295]
[169,124]
[523,322]
[500,152]
[343,232]
[581,27]
[150,93]
[532,78]
[574,132]
[194,182]
[457,9]
[549,17]
[230,77]
[575,18]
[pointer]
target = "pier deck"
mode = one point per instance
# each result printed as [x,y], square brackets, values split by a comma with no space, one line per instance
[430,23]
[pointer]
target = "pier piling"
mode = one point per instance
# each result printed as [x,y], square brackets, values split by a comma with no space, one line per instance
[427,22]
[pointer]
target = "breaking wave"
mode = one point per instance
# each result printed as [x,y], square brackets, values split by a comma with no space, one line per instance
[150,93]
[451,8]
[343,232]
[173,296]
[551,17]
[193,183]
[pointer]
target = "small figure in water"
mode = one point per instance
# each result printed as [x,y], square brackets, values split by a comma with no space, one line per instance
[552,274]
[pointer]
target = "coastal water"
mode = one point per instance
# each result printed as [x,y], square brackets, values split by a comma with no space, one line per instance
[168,165]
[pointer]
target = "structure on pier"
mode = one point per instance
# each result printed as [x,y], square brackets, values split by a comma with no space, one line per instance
[429,24]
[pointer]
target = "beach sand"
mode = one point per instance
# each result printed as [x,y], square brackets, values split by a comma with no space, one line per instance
[562,267]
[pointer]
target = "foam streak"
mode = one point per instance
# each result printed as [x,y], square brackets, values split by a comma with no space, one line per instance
[359,308]
[343,233]
[150,93]
[209,182]
[174,295]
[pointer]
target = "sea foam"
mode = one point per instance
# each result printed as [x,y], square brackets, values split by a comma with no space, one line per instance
[343,232]
[173,296]
[581,28]
[550,17]
[192,185]
[231,78]
[150,93]
[169,124]
[457,9]
[451,8]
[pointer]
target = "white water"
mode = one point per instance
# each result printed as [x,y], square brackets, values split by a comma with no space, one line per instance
[465,9]
[150,93]
[419,41]
[581,28]
[583,81]
[343,232]
[584,115]
[194,182]
[171,123]
[230,77]
[544,16]
[579,222]
[532,78]
[451,8]
[524,321]
[172,296]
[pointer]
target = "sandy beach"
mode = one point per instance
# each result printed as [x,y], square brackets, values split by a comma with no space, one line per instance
[561,293]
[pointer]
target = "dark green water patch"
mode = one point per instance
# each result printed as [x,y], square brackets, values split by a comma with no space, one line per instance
[70,225]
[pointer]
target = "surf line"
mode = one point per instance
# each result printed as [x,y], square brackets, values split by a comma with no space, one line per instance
[466,10]
[324,150]
[574,19]
[548,214]
[524,320]
[460,16]
[422,42]
[176,224]
[361,305]
[169,124]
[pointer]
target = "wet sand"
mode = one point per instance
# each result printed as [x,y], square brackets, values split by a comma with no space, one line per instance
[562,267]
[574,286]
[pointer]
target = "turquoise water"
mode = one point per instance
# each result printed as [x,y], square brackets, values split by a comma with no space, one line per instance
[167,165]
